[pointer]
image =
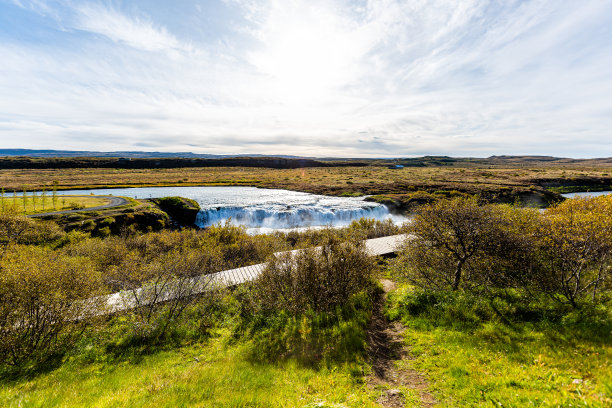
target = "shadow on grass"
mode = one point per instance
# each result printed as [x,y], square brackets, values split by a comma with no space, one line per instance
[311,339]
[33,368]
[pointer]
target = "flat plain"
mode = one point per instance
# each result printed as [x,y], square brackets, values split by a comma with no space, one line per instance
[324,180]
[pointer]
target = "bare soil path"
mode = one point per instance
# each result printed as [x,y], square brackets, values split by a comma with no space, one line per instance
[386,349]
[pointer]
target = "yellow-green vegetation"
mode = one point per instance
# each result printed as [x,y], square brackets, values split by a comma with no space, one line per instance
[36,204]
[221,349]
[215,373]
[564,252]
[510,306]
[132,217]
[503,305]
[182,210]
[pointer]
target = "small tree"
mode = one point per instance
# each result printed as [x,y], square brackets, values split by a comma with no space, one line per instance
[576,248]
[159,291]
[447,237]
[54,194]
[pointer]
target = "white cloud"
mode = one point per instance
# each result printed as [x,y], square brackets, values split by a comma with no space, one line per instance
[137,32]
[363,78]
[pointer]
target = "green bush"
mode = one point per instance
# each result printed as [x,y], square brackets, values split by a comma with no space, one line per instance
[19,229]
[564,252]
[88,225]
[103,232]
[107,221]
[312,306]
[368,228]
[159,291]
[317,279]
[42,307]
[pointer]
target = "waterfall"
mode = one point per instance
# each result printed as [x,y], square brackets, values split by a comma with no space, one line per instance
[281,217]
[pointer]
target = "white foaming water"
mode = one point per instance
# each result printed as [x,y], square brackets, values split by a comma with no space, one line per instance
[262,210]
[290,216]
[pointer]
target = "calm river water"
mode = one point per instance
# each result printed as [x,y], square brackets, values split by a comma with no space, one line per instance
[588,194]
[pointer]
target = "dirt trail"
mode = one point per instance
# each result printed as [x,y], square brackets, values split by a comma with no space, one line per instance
[385,345]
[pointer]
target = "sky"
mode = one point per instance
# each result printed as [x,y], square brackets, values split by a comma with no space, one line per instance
[342,78]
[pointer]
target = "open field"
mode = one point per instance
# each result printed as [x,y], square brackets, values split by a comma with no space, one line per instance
[40,204]
[491,180]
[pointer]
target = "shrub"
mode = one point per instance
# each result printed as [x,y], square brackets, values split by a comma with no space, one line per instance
[566,252]
[369,228]
[13,227]
[317,279]
[237,247]
[88,225]
[73,205]
[104,232]
[159,291]
[42,307]
[19,229]
[107,221]
[448,238]
[576,249]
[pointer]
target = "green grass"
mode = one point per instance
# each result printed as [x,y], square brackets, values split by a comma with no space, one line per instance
[472,358]
[37,205]
[209,374]
[226,365]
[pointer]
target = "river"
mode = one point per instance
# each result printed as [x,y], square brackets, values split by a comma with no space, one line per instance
[586,194]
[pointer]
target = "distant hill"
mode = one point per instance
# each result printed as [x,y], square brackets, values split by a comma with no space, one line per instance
[27,158]
[547,159]
[127,154]
[26,162]
[510,161]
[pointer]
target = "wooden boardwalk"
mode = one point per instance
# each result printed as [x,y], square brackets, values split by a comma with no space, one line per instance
[146,295]
[374,247]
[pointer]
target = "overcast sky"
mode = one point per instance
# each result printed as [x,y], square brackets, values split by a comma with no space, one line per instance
[359,78]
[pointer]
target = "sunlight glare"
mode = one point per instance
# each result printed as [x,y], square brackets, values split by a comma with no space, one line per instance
[306,53]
